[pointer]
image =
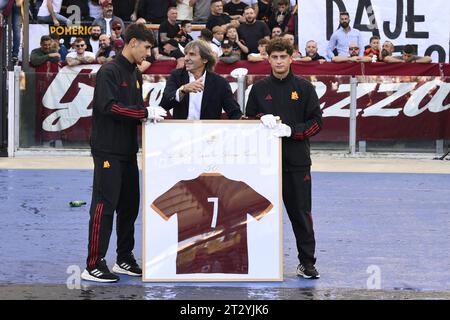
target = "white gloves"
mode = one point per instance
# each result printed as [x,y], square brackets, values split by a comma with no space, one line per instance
[269,120]
[282,130]
[156,113]
[279,129]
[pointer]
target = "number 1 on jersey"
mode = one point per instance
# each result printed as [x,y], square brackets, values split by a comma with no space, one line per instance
[215,210]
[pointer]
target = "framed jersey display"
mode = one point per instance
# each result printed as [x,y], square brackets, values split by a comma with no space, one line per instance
[211,201]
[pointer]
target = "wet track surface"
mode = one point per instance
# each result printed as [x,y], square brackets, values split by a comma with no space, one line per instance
[396,224]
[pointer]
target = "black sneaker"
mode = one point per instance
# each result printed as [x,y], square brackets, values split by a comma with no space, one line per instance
[308,272]
[128,266]
[100,273]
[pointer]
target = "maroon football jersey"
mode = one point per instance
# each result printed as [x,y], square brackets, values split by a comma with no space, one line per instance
[212,214]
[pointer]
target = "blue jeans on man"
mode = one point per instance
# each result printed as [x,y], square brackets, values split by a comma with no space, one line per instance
[16,29]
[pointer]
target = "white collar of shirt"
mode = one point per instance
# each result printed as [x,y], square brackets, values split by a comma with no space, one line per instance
[108,26]
[195,100]
[191,77]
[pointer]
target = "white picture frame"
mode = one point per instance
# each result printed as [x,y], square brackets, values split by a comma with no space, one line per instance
[192,235]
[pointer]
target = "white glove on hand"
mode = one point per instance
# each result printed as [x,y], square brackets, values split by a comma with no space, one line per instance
[282,130]
[156,113]
[269,120]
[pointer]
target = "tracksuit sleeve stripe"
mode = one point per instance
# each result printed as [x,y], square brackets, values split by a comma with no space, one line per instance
[307,133]
[138,114]
[313,130]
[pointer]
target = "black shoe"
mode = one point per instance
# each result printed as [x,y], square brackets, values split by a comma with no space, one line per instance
[100,273]
[128,266]
[308,272]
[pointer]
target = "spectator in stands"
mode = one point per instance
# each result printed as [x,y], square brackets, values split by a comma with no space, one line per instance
[264,10]
[237,44]
[293,20]
[183,37]
[228,56]
[16,28]
[296,55]
[58,46]
[374,48]
[218,18]
[93,41]
[81,56]
[388,47]
[185,9]
[408,55]
[171,51]
[49,12]
[125,9]
[207,36]
[14,9]
[312,53]
[72,47]
[218,35]
[251,3]
[154,11]
[107,18]
[281,16]
[387,50]
[105,53]
[276,32]
[202,9]
[95,9]
[235,9]
[353,55]
[34,8]
[275,3]
[169,28]
[118,45]
[262,55]
[341,38]
[252,30]
[196,92]
[45,53]
[117,31]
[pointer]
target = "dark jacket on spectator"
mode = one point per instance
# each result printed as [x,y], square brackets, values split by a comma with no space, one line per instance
[102,23]
[274,23]
[154,11]
[38,57]
[124,8]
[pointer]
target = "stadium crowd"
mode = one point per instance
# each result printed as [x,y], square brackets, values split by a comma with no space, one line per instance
[235,30]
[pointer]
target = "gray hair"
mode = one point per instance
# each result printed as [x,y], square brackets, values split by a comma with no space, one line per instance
[205,52]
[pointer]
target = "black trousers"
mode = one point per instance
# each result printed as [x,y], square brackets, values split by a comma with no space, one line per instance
[115,188]
[297,200]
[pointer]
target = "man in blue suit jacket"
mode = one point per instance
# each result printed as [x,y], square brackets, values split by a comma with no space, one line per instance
[197,93]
